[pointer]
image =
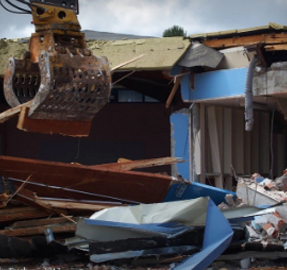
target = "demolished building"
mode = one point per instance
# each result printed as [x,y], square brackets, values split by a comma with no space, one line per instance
[216,120]
[184,98]
[204,124]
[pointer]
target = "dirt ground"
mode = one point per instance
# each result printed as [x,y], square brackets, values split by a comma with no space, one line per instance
[40,264]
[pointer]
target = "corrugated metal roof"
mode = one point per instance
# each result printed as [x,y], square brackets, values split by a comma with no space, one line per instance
[271,27]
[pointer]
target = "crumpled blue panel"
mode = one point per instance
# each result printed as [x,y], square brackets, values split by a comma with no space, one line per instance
[193,190]
[217,237]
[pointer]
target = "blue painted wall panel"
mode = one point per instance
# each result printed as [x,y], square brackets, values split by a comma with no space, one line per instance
[214,84]
[180,122]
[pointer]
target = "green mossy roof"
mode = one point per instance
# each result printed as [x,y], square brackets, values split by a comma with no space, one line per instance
[160,53]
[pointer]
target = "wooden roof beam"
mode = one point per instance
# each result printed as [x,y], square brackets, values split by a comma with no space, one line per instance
[267,39]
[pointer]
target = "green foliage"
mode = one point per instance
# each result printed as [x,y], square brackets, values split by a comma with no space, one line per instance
[175,31]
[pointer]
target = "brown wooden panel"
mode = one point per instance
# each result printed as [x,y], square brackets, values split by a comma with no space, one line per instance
[40,222]
[39,230]
[247,40]
[21,213]
[123,186]
[126,165]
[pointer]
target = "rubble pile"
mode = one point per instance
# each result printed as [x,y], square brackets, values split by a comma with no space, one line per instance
[53,209]
[268,230]
[36,196]
[92,216]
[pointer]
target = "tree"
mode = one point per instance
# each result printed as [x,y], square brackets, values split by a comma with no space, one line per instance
[175,31]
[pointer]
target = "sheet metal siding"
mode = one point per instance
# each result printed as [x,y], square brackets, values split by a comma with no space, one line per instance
[217,237]
[214,85]
[180,122]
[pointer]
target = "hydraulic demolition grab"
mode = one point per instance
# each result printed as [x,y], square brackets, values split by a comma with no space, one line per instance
[61,76]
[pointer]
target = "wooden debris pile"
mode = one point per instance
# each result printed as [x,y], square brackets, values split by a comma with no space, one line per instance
[37,195]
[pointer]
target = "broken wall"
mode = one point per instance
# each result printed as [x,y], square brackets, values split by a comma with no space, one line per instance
[228,144]
[221,140]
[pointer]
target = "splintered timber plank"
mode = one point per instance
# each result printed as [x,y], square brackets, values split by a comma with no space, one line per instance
[128,165]
[8,114]
[279,47]
[173,92]
[21,213]
[127,62]
[94,183]
[47,126]
[246,40]
[74,205]
[68,228]
[40,222]
[29,198]
[4,197]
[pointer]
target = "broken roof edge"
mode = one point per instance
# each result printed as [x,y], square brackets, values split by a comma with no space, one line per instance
[96,35]
[271,27]
[160,53]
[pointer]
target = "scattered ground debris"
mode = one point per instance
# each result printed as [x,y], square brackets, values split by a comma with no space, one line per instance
[158,230]
[258,190]
[266,232]
[45,206]
[91,216]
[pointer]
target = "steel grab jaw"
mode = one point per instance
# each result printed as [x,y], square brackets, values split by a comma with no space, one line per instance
[61,76]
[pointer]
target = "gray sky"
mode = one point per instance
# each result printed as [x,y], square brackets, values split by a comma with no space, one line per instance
[152,17]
